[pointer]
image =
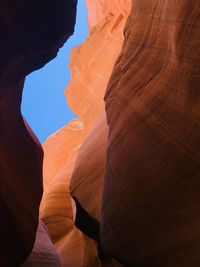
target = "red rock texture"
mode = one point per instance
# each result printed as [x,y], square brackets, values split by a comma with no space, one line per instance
[151,197]
[31,34]
[43,253]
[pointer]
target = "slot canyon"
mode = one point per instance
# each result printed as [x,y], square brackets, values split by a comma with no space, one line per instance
[119,186]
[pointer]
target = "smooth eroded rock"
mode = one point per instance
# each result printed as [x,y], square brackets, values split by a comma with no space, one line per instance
[151,195]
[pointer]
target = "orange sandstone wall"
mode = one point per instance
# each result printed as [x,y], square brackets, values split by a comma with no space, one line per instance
[151,198]
[75,155]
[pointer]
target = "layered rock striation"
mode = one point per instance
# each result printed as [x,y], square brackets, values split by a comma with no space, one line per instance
[32,33]
[43,253]
[151,197]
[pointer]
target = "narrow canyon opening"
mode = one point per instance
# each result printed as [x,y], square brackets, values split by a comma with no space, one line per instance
[75,156]
[118,185]
[43,104]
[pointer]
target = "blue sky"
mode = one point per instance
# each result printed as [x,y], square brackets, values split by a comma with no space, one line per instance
[44,105]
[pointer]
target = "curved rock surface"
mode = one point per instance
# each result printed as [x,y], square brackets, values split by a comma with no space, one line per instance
[32,33]
[151,197]
[43,253]
[75,155]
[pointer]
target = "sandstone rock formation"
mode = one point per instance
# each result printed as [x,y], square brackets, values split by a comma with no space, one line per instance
[75,155]
[43,253]
[151,197]
[31,34]
[149,212]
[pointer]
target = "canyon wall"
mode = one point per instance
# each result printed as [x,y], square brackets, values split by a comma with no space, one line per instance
[151,197]
[130,173]
[25,46]
[75,155]
[143,154]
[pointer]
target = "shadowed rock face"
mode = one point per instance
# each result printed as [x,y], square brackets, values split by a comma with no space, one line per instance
[31,34]
[43,253]
[151,198]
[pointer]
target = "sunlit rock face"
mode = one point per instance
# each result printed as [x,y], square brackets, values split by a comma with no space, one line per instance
[75,155]
[25,46]
[151,197]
